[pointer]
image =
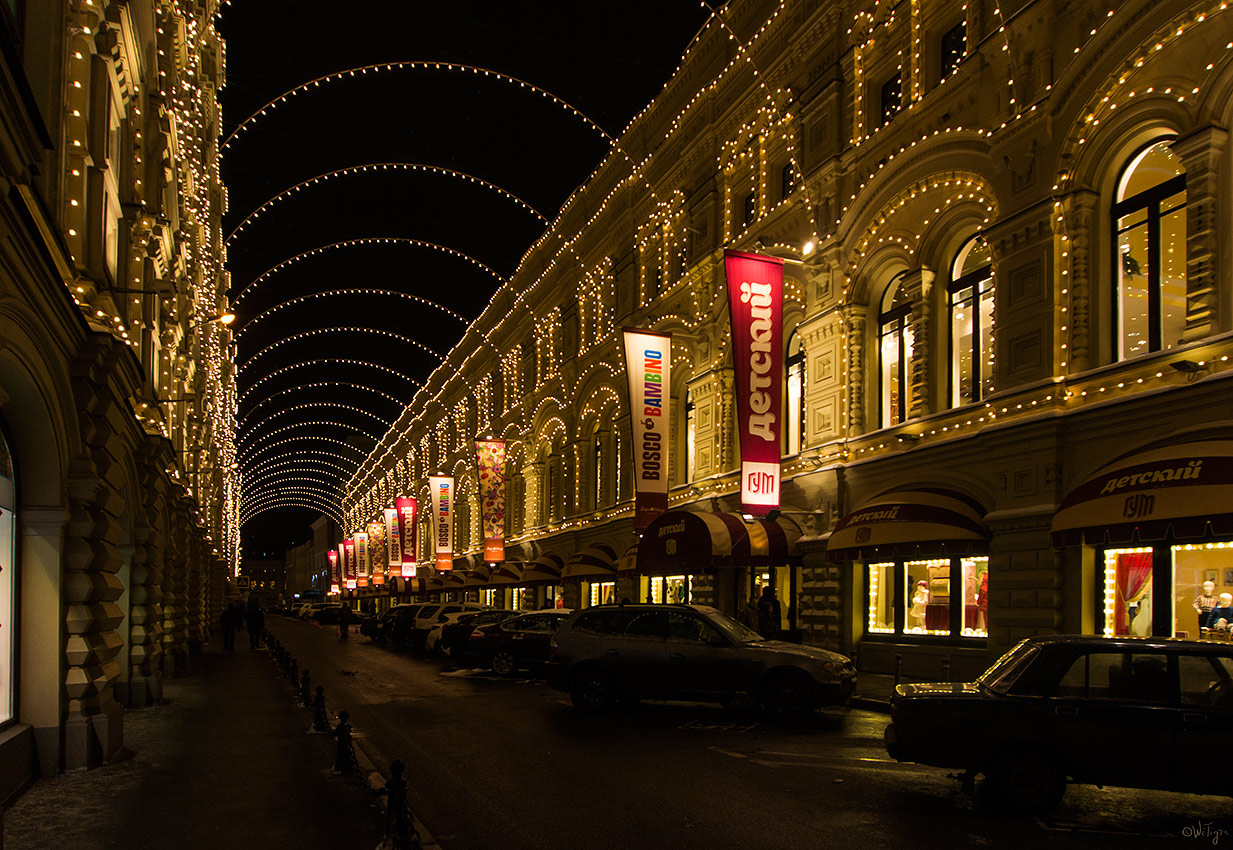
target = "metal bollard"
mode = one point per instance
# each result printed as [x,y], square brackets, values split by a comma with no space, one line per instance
[898,665]
[321,723]
[400,830]
[306,690]
[293,672]
[344,757]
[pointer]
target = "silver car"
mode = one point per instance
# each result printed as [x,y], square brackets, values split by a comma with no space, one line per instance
[689,652]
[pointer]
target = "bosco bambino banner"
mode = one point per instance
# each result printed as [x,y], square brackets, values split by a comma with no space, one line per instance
[335,579]
[348,556]
[376,551]
[648,359]
[490,458]
[442,489]
[407,534]
[755,301]
[393,541]
[363,569]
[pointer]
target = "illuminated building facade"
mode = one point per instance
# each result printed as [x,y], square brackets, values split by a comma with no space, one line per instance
[1008,319]
[116,393]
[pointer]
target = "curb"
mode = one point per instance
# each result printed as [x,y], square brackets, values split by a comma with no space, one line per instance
[376,782]
[877,704]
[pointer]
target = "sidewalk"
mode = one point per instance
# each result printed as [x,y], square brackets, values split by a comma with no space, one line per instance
[228,762]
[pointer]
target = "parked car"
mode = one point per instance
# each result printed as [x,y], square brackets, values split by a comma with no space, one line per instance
[446,637]
[433,613]
[308,609]
[517,643]
[690,652]
[1131,712]
[392,625]
[329,615]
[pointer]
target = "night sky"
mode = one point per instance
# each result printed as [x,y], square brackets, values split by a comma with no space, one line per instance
[607,60]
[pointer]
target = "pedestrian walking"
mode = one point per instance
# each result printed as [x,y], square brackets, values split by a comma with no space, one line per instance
[256,623]
[748,615]
[227,622]
[768,614]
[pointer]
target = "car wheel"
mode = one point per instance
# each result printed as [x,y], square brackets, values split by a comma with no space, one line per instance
[504,663]
[786,696]
[1028,781]
[592,690]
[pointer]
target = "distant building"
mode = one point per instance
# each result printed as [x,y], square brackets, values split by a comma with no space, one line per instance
[1008,317]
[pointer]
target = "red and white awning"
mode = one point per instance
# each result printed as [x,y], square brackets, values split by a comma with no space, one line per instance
[904,523]
[689,542]
[1183,490]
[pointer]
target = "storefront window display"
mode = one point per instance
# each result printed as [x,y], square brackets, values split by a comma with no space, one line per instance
[1194,564]
[1135,578]
[8,530]
[488,596]
[938,597]
[670,589]
[1128,592]
[603,592]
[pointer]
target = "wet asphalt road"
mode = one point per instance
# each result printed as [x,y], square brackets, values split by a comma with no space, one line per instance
[509,764]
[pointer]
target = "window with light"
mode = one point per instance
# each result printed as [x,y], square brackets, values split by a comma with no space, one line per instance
[953,47]
[1149,225]
[892,97]
[970,297]
[691,437]
[794,422]
[895,349]
[8,554]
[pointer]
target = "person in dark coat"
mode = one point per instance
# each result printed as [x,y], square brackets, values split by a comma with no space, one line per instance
[768,614]
[227,621]
[256,623]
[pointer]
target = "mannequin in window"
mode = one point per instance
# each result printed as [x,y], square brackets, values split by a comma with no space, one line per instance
[1222,615]
[1205,603]
[920,601]
[982,600]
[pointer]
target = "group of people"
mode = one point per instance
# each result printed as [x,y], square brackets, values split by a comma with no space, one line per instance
[1215,612]
[235,617]
[762,612]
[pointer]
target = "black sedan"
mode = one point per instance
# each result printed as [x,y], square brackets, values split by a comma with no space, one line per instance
[515,644]
[392,625]
[454,636]
[1129,712]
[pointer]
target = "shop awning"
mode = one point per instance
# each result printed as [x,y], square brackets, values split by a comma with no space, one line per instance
[594,562]
[1184,490]
[688,542]
[477,577]
[627,564]
[546,569]
[907,523]
[442,582]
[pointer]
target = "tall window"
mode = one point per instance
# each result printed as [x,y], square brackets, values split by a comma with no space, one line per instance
[971,324]
[892,97]
[1149,222]
[795,421]
[895,332]
[954,46]
[8,530]
[787,181]
[691,437]
[749,208]
[599,465]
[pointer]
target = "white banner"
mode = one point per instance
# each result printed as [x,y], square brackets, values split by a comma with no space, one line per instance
[393,539]
[441,490]
[363,568]
[648,360]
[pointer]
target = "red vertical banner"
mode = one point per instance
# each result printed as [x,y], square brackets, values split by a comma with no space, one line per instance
[363,567]
[407,534]
[376,551]
[441,488]
[648,367]
[349,560]
[393,542]
[335,578]
[755,302]
[490,460]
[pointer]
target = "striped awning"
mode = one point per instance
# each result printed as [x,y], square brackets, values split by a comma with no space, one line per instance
[546,569]
[477,577]
[687,542]
[597,561]
[1183,490]
[627,564]
[445,581]
[907,523]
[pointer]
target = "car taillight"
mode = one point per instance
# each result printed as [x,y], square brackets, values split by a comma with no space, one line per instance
[477,634]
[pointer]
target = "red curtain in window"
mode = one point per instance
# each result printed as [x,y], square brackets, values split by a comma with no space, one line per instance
[1133,572]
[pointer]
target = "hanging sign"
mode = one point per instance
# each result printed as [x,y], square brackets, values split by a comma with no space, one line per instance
[363,568]
[441,488]
[405,506]
[335,579]
[490,458]
[755,302]
[648,356]
[349,559]
[393,541]
[376,551]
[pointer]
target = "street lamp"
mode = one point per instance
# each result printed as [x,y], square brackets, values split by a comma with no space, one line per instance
[224,318]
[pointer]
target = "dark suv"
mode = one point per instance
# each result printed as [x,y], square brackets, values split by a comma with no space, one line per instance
[689,652]
[1131,712]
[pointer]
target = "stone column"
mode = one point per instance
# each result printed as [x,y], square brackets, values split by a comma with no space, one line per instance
[1078,219]
[145,591]
[175,577]
[1201,152]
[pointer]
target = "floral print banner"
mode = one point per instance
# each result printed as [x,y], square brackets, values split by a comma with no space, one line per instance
[490,458]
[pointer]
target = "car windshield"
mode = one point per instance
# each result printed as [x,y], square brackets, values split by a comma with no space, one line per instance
[736,632]
[1006,669]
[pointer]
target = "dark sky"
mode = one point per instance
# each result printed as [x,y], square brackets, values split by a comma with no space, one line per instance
[606,59]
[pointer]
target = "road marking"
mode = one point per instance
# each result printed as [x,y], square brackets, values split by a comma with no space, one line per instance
[728,753]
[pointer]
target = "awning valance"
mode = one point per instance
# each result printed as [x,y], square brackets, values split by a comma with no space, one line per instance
[594,562]
[689,542]
[1184,490]
[905,523]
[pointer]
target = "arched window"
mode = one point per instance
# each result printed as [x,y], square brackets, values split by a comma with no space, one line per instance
[552,489]
[599,464]
[691,437]
[970,303]
[794,424]
[895,338]
[8,565]
[1149,225]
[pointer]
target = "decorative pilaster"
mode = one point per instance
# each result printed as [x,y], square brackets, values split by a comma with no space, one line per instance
[1075,226]
[1201,152]
[918,286]
[146,591]
[855,316]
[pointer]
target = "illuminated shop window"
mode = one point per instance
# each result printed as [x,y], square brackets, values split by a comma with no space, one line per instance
[931,597]
[881,599]
[1128,592]
[794,425]
[1193,564]
[953,48]
[670,589]
[488,596]
[971,324]
[603,592]
[8,552]
[1149,224]
[892,97]
[691,437]
[895,333]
